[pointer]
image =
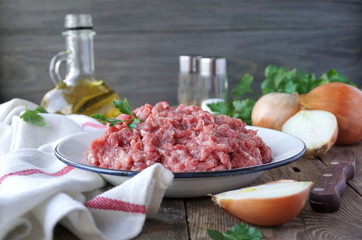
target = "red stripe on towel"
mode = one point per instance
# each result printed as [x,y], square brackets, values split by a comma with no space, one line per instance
[104,203]
[94,125]
[28,172]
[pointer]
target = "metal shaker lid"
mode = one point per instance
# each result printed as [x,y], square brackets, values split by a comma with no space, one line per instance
[212,66]
[78,21]
[189,63]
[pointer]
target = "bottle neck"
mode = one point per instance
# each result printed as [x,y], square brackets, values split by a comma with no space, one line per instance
[81,64]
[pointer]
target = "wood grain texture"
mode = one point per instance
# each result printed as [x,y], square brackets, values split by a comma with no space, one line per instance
[138,42]
[170,222]
[343,224]
[203,214]
[146,72]
[174,15]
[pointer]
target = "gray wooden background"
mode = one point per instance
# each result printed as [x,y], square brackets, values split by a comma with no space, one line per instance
[138,41]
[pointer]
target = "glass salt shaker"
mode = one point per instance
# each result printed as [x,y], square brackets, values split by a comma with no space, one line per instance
[188,93]
[213,81]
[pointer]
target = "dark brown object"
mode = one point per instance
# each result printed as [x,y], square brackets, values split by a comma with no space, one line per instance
[326,194]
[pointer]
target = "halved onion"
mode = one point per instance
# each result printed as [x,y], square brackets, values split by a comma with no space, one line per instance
[317,129]
[345,102]
[270,204]
[273,109]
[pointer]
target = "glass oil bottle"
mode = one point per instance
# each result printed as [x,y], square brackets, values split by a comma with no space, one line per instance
[80,92]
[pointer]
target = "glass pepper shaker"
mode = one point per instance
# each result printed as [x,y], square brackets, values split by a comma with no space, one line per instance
[213,81]
[188,84]
[80,91]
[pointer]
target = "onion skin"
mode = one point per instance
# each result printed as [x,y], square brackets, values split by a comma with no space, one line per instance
[274,109]
[345,102]
[266,211]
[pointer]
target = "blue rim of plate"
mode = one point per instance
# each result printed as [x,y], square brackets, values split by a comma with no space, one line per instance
[223,173]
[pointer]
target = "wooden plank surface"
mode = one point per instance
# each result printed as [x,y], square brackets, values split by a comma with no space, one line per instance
[169,223]
[112,16]
[144,72]
[138,42]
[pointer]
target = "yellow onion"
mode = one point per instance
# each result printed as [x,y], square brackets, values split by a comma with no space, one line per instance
[345,102]
[273,109]
[316,128]
[270,204]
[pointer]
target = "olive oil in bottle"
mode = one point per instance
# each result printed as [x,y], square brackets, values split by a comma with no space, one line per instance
[80,92]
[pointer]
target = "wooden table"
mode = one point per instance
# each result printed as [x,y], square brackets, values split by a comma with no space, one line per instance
[189,218]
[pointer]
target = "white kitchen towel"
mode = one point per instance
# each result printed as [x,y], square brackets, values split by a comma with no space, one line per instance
[37,191]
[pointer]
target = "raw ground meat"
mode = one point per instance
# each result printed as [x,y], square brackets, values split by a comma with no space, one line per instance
[183,139]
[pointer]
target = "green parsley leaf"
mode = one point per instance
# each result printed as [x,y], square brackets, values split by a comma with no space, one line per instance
[114,121]
[33,117]
[241,231]
[235,107]
[291,87]
[243,109]
[333,76]
[220,108]
[244,86]
[41,110]
[124,107]
[278,79]
[133,123]
[214,234]
[102,118]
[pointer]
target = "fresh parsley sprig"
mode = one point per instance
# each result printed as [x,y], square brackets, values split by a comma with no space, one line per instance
[236,106]
[277,79]
[33,116]
[123,107]
[102,118]
[241,231]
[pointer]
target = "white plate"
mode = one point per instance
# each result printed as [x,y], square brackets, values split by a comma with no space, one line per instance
[285,149]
